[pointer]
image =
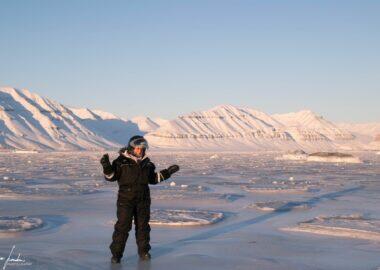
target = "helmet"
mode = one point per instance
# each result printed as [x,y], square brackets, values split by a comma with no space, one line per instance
[137,141]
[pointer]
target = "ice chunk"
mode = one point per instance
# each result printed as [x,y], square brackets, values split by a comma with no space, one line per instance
[351,226]
[279,206]
[179,217]
[19,223]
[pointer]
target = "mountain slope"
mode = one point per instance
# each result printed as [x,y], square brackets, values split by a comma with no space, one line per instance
[307,122]
[230,127]
[107,125]
[368,133]
[147,124]
[28,121]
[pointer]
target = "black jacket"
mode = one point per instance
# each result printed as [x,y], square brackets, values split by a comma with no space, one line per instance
[134,177]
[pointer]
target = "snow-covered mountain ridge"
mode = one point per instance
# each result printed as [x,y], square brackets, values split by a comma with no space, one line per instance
[31,122]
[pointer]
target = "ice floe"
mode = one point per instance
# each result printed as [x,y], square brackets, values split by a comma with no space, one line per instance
[350,226]
[175,217]
[19,223]
[279,206]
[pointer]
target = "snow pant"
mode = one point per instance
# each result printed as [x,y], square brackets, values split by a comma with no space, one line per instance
[139,210]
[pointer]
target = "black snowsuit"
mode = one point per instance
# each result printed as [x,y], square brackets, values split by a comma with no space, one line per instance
[133,201]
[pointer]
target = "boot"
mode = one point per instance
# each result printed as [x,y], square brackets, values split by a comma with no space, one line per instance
[115,259]
[145,256]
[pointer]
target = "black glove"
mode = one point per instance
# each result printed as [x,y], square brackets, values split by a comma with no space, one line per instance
[107,167]
[173,169]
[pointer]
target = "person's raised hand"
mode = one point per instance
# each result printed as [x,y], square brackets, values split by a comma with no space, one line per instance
[173,169]
[105,161]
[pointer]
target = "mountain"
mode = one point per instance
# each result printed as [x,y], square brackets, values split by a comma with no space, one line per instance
[370,130]
[230,128]
[147,124]
[107,125]
[307,122]
[29,121]
[369,133]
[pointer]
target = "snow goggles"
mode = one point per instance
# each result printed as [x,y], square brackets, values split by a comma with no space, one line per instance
[139,143]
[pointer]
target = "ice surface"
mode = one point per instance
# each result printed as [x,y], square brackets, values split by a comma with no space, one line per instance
[334,157]
[298,155]
[276,186]
[175,192]
[182,217]
[352,226]
[68,193]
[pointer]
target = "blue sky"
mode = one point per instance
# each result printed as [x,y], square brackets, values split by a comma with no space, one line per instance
[164,58]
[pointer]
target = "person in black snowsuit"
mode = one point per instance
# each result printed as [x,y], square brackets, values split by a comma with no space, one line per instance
[133,171]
